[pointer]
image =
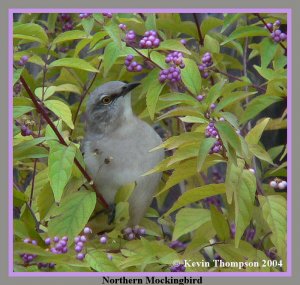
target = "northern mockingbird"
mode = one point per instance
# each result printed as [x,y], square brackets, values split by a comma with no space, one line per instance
[116,147]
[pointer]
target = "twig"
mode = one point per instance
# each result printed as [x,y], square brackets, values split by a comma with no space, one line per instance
[145,57]
[239,79]
[264,22]
[85,92]
[212,244]
[201,40]
[40,126]
[41,110]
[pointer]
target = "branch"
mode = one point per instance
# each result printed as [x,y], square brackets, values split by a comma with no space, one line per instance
[264,22]
[85,92]
[239,79]
[42,111]
[201,40]
[145,57]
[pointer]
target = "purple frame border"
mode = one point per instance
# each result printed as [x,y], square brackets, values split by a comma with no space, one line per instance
[288,273]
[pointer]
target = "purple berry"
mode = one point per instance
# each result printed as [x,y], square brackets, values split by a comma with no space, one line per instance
[131,236]
[87,230]
[277,23]
[283,36]
[48,241]
[78,248]
[56,239]
[65,238]
[200,98]
[103,239]
[80,256]
[27,240]
[80,243]
[213,106]
[183,41]
[77,239]
[273,184]
[83,238]
[122,27]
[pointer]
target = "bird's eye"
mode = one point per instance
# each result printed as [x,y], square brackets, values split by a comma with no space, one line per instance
[106,100]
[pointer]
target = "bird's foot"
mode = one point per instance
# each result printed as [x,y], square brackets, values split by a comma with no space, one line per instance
[112,213]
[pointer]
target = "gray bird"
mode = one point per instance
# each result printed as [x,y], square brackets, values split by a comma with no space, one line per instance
[116,147]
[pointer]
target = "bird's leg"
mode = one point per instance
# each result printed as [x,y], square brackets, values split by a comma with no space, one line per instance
[112,213]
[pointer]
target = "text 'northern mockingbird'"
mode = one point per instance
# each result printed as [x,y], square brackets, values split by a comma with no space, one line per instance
[116,147]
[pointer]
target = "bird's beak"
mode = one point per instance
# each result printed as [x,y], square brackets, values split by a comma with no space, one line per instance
[128,87]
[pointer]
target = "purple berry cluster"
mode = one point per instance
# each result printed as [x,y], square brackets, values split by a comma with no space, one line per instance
[130,37]
[175,58]
[271,253]
[27,258]
[85,15]
[250,234]
[17,88]
[79,243]
[150,40]
[123,27]
[133,233]
[278,184]
[25,131]
[131,65]
[44,265]
[212,132]
[276,34]
[67,22]
[57,245]
[206,63]
[23,60]
[107,15]
[176,244]
[177,268]
[213,200]
[172,74]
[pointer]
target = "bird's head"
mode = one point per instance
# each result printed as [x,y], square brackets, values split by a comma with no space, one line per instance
[108,105]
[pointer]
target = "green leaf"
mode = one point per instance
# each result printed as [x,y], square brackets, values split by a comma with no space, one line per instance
[253,137]
[124,192]
[233,98]
[60,164]
[246,31]
[52,17]
[173,45]
[228,134]
[197,194]
[257,105]
[233,173]
[204,149]
[17,74]
[271,74]
[111,53]
[188,220]
[88,24]
[193,119]
[62,110]
[211,44]
[70,36]
[19,198]
[114,32]
[214,93]
[220,223]
[191,76]
[229,19]
[275,213]
[49,91]
[100,262]
[72,214]
[18,111]
[152,97]
[244,196]
[267,51]
[30,32]
[45,200]
[74,62]
[260,153]
[210,23]
[150,23]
